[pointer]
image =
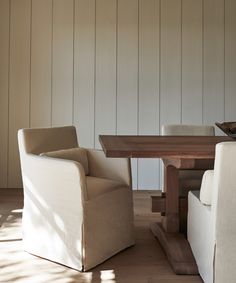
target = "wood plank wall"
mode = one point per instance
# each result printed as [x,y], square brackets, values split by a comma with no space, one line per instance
[113,66]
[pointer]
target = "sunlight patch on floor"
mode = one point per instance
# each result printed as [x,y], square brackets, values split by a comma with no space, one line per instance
[107,276]
[143,263]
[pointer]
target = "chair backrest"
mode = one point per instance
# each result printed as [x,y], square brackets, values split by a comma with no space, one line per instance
[187,130]
[223,208]
[40,140]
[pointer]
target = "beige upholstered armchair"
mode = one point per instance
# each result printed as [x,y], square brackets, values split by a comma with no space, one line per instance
[189,179]
[212,221]
[77,203]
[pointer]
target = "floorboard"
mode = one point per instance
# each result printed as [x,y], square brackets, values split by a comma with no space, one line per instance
[143,263]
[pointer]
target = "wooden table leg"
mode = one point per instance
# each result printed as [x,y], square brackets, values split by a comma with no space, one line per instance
[170,221]
[174,243]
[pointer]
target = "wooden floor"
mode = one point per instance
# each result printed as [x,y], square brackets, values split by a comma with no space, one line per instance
[143,263]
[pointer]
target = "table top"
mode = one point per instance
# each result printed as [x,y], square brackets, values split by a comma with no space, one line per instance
[198,147]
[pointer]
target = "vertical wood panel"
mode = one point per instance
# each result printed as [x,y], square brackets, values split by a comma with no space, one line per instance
[84,49]
[19,88]
[230,60]
[41,63]
[192,62]
[127,67]
[4,69]
[170,65]
[105,107]
[127,72]
[62,75]
[170,62]
[213,92]
[148,169]
[105,77]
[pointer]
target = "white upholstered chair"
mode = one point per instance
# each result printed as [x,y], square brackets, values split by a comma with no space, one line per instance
[212,221]
[189,179]
[78,208]
[187,130]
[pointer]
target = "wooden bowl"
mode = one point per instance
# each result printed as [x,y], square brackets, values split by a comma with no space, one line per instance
[229,128]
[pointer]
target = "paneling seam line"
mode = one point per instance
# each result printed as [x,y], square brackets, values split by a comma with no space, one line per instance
[95,66]
[52,61]
[30,71]
[8,113]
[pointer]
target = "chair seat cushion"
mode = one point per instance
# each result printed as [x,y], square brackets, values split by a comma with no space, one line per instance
[98,186]
[77,154]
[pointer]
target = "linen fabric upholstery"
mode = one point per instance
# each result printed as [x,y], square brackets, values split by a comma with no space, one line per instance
[77,154]
[56,138]
[207,187]
[215,248]
[200,235]
[68,217]
[187,130]
[98,186]
[118,169]
[108,226]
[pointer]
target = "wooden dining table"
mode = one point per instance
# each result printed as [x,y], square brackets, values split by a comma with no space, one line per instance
[177,153]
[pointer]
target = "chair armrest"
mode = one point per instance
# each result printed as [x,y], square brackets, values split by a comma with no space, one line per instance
[207,187]
[118,169]
[54,190]
[61,179]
